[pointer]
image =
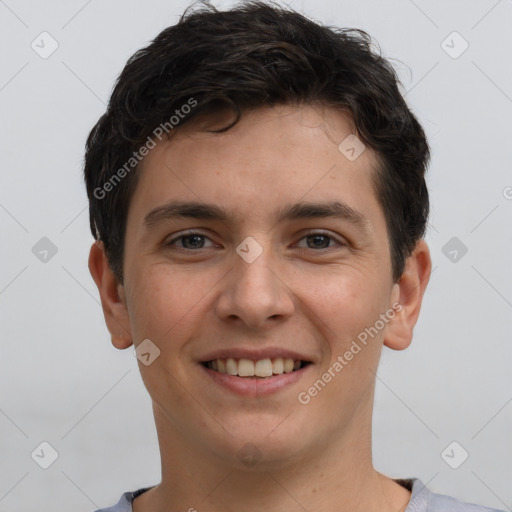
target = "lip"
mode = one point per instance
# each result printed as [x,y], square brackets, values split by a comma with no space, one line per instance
[255,355]
[254,386]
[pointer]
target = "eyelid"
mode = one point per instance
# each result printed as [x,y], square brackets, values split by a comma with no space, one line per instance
[191,232]
[184,234]
[337,238]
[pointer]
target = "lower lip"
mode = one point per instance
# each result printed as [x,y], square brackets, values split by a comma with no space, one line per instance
[255,386]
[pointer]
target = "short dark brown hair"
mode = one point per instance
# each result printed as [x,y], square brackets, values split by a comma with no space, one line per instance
[256,54]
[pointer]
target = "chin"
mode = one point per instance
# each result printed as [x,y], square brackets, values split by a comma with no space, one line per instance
[262,444]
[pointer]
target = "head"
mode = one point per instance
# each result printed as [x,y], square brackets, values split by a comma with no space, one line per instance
[252,56]
[245,110]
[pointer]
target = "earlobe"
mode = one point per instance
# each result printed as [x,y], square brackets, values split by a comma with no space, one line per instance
[408,293]
[112,297]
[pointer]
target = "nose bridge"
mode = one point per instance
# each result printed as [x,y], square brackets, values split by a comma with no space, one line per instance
[254,292]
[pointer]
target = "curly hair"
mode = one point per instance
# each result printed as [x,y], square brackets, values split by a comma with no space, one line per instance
[253,55]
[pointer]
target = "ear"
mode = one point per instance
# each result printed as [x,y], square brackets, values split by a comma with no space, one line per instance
[408,293]
[113,299]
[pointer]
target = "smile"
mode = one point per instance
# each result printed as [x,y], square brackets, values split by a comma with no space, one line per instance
[262,368]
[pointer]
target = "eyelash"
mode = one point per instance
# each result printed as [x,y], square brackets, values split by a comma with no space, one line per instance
[190,234]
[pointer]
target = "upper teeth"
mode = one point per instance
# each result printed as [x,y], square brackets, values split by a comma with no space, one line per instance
[249,368]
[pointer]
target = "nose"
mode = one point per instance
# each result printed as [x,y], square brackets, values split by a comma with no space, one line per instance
[255,294]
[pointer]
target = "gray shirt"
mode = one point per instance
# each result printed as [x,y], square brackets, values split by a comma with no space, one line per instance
[422,500]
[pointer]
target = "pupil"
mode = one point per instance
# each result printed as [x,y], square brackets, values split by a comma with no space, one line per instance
[198,238]
[320,239]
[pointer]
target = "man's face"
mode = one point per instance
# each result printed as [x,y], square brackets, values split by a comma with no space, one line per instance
[270,280]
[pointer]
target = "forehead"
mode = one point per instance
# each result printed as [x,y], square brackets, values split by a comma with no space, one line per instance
[273,156]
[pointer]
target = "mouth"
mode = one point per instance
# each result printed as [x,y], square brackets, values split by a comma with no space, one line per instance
[255,369]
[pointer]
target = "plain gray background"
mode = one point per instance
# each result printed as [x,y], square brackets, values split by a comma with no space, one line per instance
[62,382]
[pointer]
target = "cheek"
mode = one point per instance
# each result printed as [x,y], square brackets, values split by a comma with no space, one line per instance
[166,304]
[343,305]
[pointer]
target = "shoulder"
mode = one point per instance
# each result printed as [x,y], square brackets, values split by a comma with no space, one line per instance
[125,502]
[423,500]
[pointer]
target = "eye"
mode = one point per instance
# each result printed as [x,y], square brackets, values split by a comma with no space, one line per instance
[193,240]
[319,240]
[189,241]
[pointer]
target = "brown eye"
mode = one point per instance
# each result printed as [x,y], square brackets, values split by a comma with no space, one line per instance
[320,241]
[190,241]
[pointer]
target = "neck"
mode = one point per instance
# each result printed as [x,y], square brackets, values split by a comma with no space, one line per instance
[336,477]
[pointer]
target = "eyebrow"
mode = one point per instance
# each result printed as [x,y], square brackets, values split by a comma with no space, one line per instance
[211,212]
